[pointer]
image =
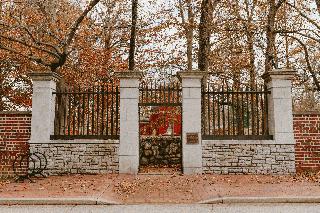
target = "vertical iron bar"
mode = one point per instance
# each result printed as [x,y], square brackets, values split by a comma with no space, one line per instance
[73,111]
[257,106]
[112,109]
[65,112]
[102,113]
[92,112]
[117,110]
[79,104]
[228,104]
[242,110]
[233,116]
[267,111]
[203,127]
[223,111]
[213,109]
[218,108]
[88,120]
[83,112]
[252,112]
[238,112]
[262,110]
[248,116]
[98,107]
[209,105]
[69,116]
[107,111]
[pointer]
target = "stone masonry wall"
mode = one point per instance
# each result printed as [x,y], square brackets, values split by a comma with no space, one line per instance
[160,150]
[15,129]
[307,135]
[79,156]
[246,157]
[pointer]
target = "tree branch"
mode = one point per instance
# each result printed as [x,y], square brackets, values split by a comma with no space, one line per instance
[306,56]
[30,45]
[299,33]
[30,57]
[304,16]
[76,24]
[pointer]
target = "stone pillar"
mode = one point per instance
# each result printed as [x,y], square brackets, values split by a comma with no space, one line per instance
[191,121]
[280,105]
[129,122]
[43,106]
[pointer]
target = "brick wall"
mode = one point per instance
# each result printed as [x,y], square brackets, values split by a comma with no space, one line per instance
[15,130]
[307,135]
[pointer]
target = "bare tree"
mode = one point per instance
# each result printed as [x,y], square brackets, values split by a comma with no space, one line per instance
[188,26]
[133,34]
[270,52]
[207,8]
[59,53]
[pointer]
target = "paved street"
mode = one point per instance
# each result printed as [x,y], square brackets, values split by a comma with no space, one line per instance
[224,208]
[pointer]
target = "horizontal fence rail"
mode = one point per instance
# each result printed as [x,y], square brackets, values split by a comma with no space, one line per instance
[91,113]
[160,94]
[230,113]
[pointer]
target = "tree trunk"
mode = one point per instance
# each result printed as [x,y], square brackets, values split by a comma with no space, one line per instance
[269,56]
[252,71]
[318,5]
[204,34]
[133,34]
[189,35]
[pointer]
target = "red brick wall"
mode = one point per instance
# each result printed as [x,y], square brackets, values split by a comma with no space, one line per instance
[307,135]
[15,130]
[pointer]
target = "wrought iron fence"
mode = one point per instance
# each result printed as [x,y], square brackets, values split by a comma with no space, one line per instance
[91,113]
[160,93]
[234,113]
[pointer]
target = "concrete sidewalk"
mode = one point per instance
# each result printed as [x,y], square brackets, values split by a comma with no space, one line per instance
[114,189]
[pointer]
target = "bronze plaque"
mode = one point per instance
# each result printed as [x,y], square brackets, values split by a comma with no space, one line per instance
[192,138]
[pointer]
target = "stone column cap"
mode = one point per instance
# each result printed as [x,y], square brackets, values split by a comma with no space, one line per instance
[192,74]
[45,76]
[284,74]
[128,74]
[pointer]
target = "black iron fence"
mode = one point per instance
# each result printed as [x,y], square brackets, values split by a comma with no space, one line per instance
[91,113]
[234,113]
[160,94]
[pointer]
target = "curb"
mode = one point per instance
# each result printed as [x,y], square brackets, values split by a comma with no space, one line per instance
[95,201]
[55,201]
[230,200]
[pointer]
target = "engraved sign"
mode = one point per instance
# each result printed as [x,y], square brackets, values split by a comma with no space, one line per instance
[192,138]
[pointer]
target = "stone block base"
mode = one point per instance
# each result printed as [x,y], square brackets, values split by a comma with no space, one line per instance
[160,151]
[79,157]
[247,158]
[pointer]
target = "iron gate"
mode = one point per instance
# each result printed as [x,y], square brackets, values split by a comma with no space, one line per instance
[160,123]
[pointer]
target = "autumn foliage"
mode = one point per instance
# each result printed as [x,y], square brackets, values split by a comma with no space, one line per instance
[86,41]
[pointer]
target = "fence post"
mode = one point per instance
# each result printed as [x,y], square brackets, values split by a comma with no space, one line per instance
[43,106]
[191,121]
[129,122]
[280,105]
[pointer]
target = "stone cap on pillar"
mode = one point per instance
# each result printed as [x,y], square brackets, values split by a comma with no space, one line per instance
[45,76]
[130,74]
[283,74]
[195,74]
